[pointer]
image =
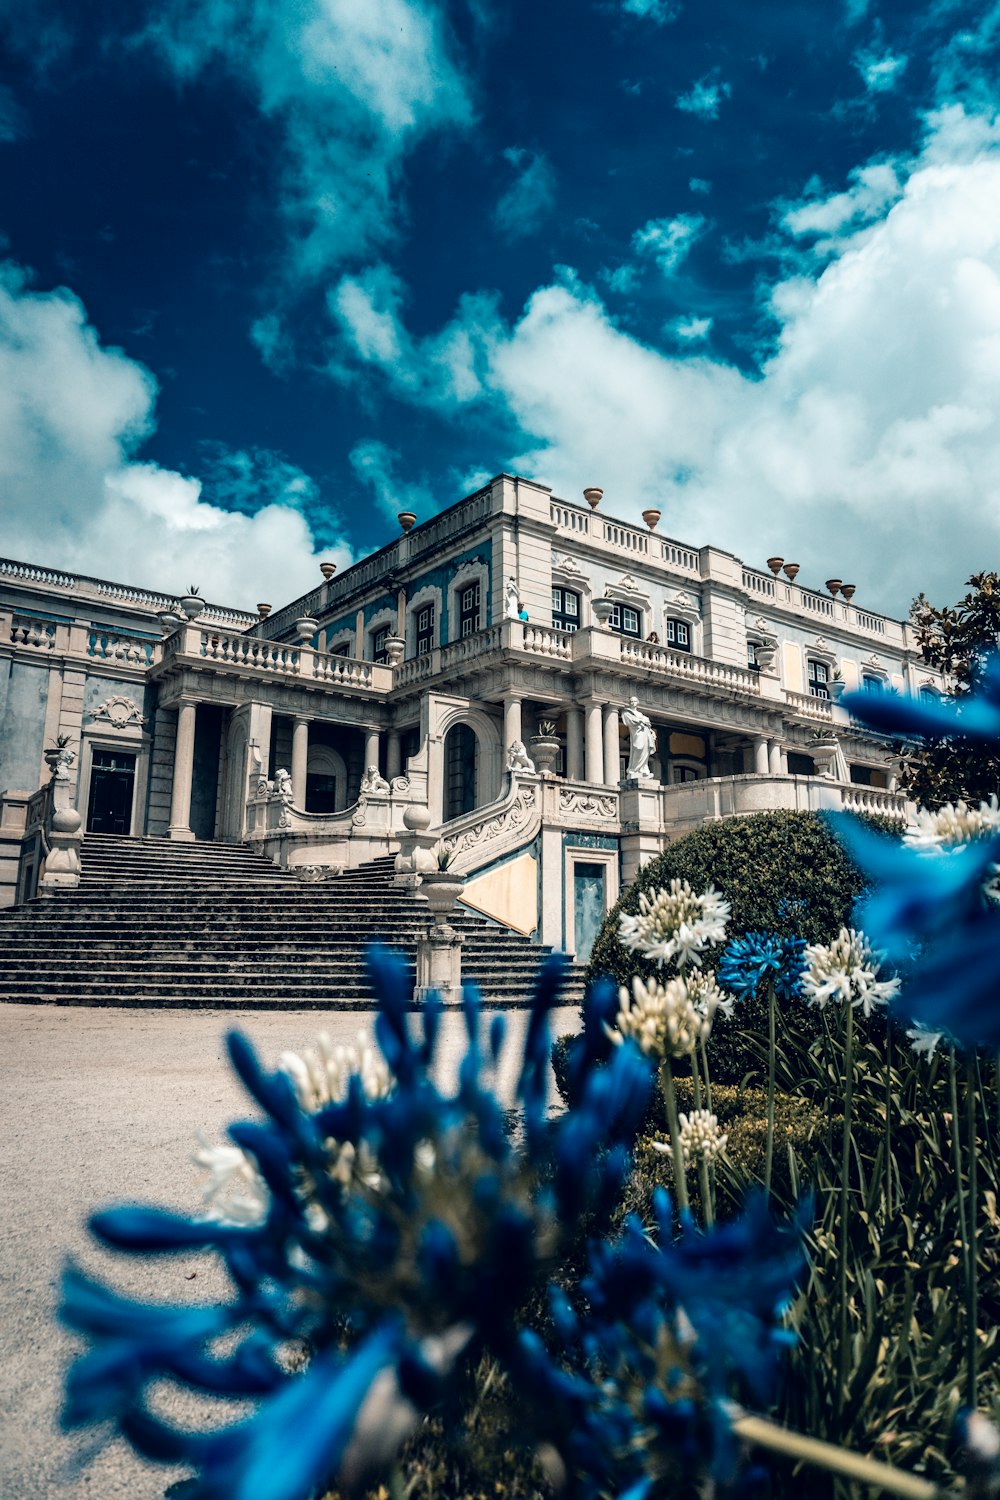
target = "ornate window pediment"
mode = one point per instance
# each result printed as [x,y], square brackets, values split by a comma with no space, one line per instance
[119,712]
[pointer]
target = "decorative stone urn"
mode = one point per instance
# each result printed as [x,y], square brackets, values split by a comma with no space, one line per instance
[169,620]
[306,627]
[765,653]
[407,520]
[545,752]
[837,687]
[417,844]
[602,610]
[835,585]
[848,591]
[439,952]
[652,518]
[791,571]
[775,564]
[441,889]
[824,753]
[396,649]
[592,495]
[327,569]
[192,604]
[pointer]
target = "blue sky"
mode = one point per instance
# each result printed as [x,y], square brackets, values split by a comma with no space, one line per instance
[278,269]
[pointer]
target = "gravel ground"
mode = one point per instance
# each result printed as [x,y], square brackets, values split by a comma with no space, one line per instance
[101,1106]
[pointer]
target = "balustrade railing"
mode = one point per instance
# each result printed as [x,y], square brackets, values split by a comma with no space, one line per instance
[113,645]
[25,630]
[871,799]
[818,603]
[809,705]
[249,651]
[695,668]
[342,671]
[875,624]
[546,642]
[682,558]
[758,583]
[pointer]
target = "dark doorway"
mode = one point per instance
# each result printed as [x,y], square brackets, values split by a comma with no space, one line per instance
[112,783]
[321,792]
[460,753]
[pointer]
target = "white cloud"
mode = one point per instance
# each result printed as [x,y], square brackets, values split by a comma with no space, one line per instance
[690,330]
[881,71]
[704,97]
[354,84]
[874,188]
[375,465]
[73,415]
[867,445]
[700,185]
[657,11]
[530,196]
[623,279]
[669,241]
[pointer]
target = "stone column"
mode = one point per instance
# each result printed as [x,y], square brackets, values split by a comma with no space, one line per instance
[180,796]
[300,761]
[760,757]
[393,756]
[574,743]
[371,747]
[774,757]
[612,747]
[511,721]
[593,714]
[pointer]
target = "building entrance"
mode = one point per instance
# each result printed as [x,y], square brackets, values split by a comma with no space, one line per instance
[112,784]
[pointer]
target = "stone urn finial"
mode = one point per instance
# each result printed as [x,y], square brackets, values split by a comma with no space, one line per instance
[652,518]
[407,519]
[306,627]
[848,591]
[327,569]
[791,571]
[835,585]
[592,495]
[263,610]
[775,564]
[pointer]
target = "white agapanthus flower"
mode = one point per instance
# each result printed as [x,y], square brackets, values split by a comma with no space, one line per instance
[954,826]
[701,1138]
[667,1020]
[847,969]
[320,1075]
[236,1193]
[676,923]
[923,1040]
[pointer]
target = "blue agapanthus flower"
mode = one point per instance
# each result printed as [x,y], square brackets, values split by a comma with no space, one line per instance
[928,908]
[748,960]
[354,1298]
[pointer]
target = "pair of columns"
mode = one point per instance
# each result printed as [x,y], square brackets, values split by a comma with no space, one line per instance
[183,779]
[592,740]
[769,757]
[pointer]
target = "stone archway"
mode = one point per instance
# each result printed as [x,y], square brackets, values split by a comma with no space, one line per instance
[326,780]
[461,771]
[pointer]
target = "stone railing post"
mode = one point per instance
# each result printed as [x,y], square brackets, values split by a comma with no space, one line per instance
[439,950]
[62,828]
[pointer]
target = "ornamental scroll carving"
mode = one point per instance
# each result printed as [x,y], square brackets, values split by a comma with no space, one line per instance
[506,822]
[587,804]
[118,711]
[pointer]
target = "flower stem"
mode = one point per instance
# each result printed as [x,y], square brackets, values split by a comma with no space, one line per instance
[674,1127]
[963,1229]
[887,1205]
[972,1289]
[708,1079]
[769,1151]
[845,1172]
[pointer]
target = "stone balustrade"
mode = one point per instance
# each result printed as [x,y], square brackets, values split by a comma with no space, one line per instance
[697,669]
[809,706]
[243,650]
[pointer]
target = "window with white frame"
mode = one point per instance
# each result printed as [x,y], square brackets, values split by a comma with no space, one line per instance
[872,684]
[819,678]
[565,608]
[380,645]
[468,609]
[425,629]
[626,620]
[679,635]
[752,661]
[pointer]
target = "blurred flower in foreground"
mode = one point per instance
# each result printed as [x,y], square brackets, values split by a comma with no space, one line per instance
[354,1304]
[668,1020]
[675,923]
[847,969]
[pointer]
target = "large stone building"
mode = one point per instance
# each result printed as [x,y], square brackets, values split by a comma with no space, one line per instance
[386,710]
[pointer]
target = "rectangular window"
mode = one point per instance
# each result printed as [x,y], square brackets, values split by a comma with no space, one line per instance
[819,679]
[679,634]
[752,661]
[380,649]
[626,620]
[425,629]
[565,609]
[872,684]
[468,609]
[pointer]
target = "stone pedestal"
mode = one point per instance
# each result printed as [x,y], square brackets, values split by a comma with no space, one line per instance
[641,815]
[439,951]
[417,848]
[63,837]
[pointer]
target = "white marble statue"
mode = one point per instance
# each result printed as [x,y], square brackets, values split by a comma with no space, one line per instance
[518,758]
[371,781]
[642,740]
[512,607]
[283,785]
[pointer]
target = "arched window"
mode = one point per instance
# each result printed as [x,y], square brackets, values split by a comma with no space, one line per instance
[461,756]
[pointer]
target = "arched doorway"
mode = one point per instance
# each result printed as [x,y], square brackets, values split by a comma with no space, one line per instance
[461,768]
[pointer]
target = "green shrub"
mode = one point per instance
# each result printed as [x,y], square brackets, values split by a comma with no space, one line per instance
[781,872]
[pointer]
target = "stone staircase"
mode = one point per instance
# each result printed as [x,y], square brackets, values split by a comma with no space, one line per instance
[214,926]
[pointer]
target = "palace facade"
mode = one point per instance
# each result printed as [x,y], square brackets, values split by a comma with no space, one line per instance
[461,688]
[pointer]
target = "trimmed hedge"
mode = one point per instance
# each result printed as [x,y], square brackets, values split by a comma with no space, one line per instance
[781,872]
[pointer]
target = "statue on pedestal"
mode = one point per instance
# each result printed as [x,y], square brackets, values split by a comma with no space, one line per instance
[642,741]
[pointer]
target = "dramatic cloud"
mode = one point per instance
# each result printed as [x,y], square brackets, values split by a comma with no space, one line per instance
[657,11]
[868,444]
[353,85]
[528,200]
[375,465]
[881,71]
[72,416]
